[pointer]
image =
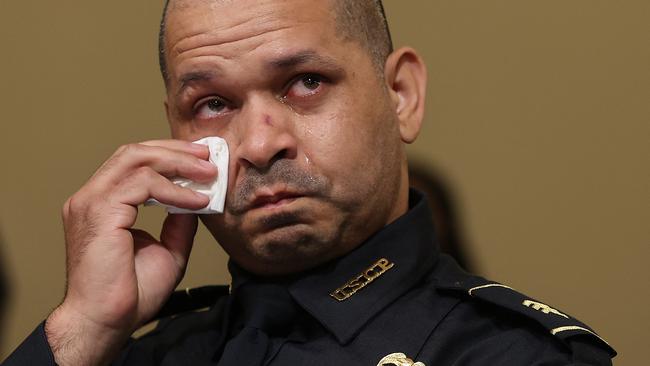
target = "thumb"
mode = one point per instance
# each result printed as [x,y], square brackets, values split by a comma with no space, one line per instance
[177,236]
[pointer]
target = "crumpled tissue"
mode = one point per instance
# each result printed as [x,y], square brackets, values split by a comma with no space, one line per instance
[216,190]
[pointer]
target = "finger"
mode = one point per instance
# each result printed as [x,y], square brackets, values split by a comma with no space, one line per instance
[167,162]
[199,150]
[145,183]
[177,235]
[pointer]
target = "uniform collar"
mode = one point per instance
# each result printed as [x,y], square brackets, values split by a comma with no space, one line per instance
[407,243]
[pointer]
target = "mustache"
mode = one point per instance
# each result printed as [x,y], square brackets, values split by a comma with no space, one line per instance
[283,171]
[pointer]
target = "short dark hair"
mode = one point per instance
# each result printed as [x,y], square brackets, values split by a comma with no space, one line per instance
[362,21]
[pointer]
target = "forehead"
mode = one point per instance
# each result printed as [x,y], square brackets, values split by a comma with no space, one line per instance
[195,24]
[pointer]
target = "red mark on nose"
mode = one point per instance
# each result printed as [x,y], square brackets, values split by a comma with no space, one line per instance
[267,120]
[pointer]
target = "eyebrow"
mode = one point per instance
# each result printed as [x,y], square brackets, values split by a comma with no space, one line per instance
[281,63]
[304,57]
[193,77]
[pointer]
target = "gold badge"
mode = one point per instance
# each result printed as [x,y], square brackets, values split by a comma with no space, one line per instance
[398,359]
[351,287]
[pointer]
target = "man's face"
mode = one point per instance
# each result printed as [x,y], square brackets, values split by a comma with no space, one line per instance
[315,150]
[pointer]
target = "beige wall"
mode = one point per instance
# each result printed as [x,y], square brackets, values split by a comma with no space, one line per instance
[538,113]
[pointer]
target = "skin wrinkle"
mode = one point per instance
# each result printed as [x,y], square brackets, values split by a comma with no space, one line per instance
[264,26]
[361,21]
[180,51]
[203,50]
[305,57]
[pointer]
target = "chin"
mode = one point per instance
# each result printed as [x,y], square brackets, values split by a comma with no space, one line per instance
[289,250]
[283,240]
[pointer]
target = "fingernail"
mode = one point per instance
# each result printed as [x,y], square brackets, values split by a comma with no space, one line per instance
[201,195]
[198,147]
[206,164]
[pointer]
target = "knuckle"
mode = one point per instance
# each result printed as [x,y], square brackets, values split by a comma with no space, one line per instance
[73,204]
[145,172]
[128,149]
[65,210]
[150,142]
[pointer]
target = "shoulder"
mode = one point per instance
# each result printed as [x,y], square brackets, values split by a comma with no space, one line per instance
[508,312]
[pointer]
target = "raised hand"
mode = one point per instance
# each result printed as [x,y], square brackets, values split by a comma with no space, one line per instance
[118,276]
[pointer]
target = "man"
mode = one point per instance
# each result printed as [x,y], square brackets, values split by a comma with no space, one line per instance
[333,259]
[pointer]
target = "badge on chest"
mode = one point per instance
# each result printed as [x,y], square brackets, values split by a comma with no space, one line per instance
[398,359]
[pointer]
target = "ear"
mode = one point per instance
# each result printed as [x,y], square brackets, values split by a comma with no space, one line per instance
[406,78]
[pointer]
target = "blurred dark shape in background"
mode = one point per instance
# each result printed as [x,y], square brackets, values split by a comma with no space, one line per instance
[4,291]
[449,230]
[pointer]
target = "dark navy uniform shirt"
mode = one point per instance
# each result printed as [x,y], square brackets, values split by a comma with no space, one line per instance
[394,300]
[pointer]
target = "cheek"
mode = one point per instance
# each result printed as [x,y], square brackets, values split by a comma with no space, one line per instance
[323,136]
[343,147]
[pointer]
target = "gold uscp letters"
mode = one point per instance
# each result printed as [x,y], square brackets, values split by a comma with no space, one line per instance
[362,280]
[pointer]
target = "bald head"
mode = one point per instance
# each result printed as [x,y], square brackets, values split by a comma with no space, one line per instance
[361,21]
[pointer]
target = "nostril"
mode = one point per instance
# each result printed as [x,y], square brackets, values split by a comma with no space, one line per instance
[282,154]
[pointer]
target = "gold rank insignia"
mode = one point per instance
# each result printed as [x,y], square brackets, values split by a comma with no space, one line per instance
[543,308]
[398,359]
[362,280]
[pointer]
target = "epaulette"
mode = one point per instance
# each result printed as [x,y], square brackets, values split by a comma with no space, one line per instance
[564,327]
[192,299]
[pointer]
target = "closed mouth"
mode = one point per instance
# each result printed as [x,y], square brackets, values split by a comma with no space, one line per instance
[274,200]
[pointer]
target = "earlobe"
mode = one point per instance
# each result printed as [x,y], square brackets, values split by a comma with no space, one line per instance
[406,78]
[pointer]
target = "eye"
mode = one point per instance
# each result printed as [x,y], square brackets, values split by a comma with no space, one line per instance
[306,85]
[210,108]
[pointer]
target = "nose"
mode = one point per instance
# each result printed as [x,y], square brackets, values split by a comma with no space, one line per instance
[266,133]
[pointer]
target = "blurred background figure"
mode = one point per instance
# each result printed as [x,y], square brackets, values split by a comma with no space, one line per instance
[444,206]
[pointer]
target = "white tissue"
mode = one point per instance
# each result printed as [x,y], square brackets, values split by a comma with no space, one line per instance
[216,190]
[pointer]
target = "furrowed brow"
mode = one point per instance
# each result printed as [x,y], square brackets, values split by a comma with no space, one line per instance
[194,77]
